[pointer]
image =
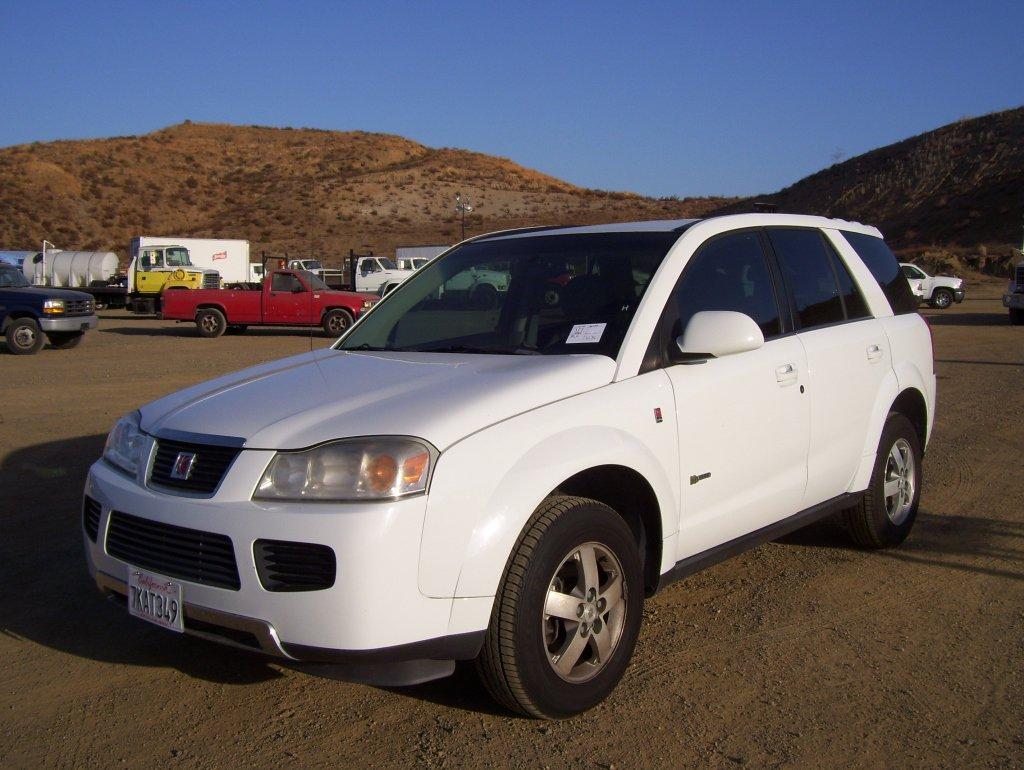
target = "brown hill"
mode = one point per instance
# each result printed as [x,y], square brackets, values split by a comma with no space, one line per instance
[961,185]
[299,191]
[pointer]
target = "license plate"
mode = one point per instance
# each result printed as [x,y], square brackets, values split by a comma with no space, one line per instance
[155,599]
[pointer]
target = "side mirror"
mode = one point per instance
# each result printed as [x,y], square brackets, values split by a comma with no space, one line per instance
[717,333]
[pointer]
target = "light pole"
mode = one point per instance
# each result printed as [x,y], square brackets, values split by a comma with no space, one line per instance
[463,207]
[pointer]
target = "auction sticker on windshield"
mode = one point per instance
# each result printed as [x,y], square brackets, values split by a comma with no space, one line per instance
[582,333]
[155,599]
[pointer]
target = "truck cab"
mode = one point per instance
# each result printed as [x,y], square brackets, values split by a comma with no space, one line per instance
[939,291]
[378,274]
[158,268]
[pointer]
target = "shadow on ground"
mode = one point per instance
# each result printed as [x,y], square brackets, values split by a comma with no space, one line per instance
[968,319]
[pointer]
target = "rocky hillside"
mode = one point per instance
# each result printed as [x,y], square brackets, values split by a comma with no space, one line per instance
[961,185]
[299,191]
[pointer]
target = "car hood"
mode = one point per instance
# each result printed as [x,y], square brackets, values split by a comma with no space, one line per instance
[46,292]
[329,394]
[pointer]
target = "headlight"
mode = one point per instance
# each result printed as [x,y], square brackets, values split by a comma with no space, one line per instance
[53,306]
[352,469]
[124,444]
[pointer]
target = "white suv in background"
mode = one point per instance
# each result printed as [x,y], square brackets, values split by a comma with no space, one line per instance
[939,291]
[508,483]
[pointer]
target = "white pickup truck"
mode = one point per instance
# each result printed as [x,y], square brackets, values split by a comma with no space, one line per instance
[939,291]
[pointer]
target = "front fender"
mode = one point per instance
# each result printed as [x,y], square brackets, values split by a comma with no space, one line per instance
[486,487]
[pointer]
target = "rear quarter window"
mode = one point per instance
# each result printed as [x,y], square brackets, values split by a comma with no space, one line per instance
[886,269]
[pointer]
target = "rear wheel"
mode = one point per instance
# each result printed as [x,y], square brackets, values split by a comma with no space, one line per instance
[210,322]
[24,337]
[568,612]
[886,512]
[65,340]
[942,298]
[336,322]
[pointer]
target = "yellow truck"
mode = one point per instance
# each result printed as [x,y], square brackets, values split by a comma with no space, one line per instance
[159,267]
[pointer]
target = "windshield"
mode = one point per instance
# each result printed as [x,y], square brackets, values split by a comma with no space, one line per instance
[554,294]
[313,264]
[314,282]
[12,278]
[387,264]
[177,257]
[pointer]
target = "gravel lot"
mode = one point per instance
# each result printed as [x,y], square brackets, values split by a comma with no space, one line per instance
[802,652]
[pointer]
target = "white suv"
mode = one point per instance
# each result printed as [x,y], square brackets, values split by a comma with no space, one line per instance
[508,483]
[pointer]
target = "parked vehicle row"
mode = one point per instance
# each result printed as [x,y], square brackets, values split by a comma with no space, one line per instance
[530,472]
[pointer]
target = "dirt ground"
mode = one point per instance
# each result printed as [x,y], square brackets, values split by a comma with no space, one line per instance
[803,652]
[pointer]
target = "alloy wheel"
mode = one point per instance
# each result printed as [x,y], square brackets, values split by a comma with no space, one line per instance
[900,481]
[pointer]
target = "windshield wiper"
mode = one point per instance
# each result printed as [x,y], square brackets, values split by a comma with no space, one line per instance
[367,346]
[485,351]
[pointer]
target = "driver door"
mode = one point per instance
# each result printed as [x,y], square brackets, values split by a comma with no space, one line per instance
[288,300]
[743,419]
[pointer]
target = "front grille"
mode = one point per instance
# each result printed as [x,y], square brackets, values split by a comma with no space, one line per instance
[286,566]
[211,280]
[178,552]
[205,472]
[78,307]
[91,517]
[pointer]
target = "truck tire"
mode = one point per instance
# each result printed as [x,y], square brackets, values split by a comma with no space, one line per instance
[65,340]
[24,337]
[579,559]
[881,520]
[941,299]
[210,322]
[336,322]
[1016,316]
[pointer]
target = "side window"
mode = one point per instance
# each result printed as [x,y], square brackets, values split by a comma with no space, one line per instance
[854,302]
[883,265]
[285,282]
[807,268]
[912,272]
[729,273]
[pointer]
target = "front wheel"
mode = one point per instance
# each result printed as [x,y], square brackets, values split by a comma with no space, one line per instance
[567,615]
[65,340]
[24,337]
[942,298]
[886,512]
[336,322]
[210,323]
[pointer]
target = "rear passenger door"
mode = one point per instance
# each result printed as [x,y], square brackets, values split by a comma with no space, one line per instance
[743,419]
[848,356]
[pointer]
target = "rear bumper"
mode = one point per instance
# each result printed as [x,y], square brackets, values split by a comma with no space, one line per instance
[1015,301]
[72,324]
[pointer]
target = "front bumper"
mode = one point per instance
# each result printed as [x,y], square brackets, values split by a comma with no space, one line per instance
[373,624]
[958,295]
[69,324]
[1014,301]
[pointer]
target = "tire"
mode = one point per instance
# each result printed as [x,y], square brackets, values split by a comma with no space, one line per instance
[941,299]
[552,296]
[210,323]
[236,329]
[65,340]
[878,521]
[484,297]
[24,337]
[336,322]
[519,654]
[1016,316]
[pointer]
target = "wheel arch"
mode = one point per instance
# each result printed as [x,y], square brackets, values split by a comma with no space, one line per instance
[211,306]
[475,516]
[632,497]
[14,315]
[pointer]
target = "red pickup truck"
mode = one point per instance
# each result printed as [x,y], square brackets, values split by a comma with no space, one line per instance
[285,298]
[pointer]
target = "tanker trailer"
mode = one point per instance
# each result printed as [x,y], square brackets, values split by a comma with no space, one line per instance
[95,272]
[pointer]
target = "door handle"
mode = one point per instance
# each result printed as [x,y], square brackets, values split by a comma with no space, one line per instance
[786,374]
[874,353]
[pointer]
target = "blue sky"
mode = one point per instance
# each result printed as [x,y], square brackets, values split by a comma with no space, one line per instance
[659,98]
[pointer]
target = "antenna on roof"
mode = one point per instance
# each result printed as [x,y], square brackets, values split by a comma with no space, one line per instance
[763,207]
